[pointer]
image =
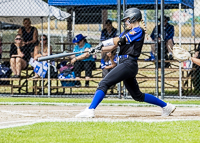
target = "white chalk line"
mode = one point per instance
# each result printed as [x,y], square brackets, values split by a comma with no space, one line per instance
[17,113]
[31,122]
[87,104]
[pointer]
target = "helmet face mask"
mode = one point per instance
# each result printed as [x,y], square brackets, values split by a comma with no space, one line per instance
[127,24]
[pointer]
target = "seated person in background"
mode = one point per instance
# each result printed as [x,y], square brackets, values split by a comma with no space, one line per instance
[108,62]
[29,35]
[82,61]
[1,47]
[38,50]
[18,56]
[169,34]
[196,73]
[109,31]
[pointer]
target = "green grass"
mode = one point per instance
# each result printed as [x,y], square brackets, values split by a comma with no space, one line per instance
[74,100]
[104,132]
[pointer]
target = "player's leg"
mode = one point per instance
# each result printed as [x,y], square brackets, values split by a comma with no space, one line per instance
[13,65]
[78,67]
[20,65]
[88,66]
[170,43]
[152,53]
[116,75]
[133,88]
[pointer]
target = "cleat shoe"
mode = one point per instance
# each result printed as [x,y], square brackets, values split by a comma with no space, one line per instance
[87,113]
[167,110]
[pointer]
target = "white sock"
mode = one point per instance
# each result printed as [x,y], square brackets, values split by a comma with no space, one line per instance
[170,53]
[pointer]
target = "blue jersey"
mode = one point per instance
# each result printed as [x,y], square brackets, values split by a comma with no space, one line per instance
[108,63]
[135,42]
[77,49]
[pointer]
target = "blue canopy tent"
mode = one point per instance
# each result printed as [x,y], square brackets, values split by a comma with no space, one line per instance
[98,5]
[142,4]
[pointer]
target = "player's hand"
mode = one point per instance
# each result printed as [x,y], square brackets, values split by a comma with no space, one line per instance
[92,51]
[96,49]
[99,46]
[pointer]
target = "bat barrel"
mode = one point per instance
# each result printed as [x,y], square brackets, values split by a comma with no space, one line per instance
[56,56]
[40,59]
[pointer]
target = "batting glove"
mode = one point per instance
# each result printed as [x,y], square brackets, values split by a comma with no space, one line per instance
[93,51]
[96,49]
[99,46]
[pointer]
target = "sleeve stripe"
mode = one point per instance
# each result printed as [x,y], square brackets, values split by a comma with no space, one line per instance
[127,36]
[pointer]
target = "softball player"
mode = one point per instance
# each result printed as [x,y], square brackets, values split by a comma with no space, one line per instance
[130,42]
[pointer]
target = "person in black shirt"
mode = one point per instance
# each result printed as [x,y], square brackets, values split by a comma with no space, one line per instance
[168,37]
[130,43]
[18,58]
[109,31]
[29,35]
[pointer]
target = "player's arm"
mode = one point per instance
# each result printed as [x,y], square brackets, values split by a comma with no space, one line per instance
[122,39]
[111,44]
[107,45]
[114,43]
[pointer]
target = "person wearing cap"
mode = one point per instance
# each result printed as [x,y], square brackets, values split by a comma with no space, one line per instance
[83,61]
[169,34]
[109,31]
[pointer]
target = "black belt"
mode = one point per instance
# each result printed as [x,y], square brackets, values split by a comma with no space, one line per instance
[126,57]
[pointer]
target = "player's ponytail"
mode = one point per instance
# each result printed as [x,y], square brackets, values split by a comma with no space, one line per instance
[143,26]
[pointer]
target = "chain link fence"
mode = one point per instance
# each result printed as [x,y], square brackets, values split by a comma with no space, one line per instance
[23,42]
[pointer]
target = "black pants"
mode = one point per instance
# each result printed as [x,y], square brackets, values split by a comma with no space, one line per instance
[104,73]
[126,71]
